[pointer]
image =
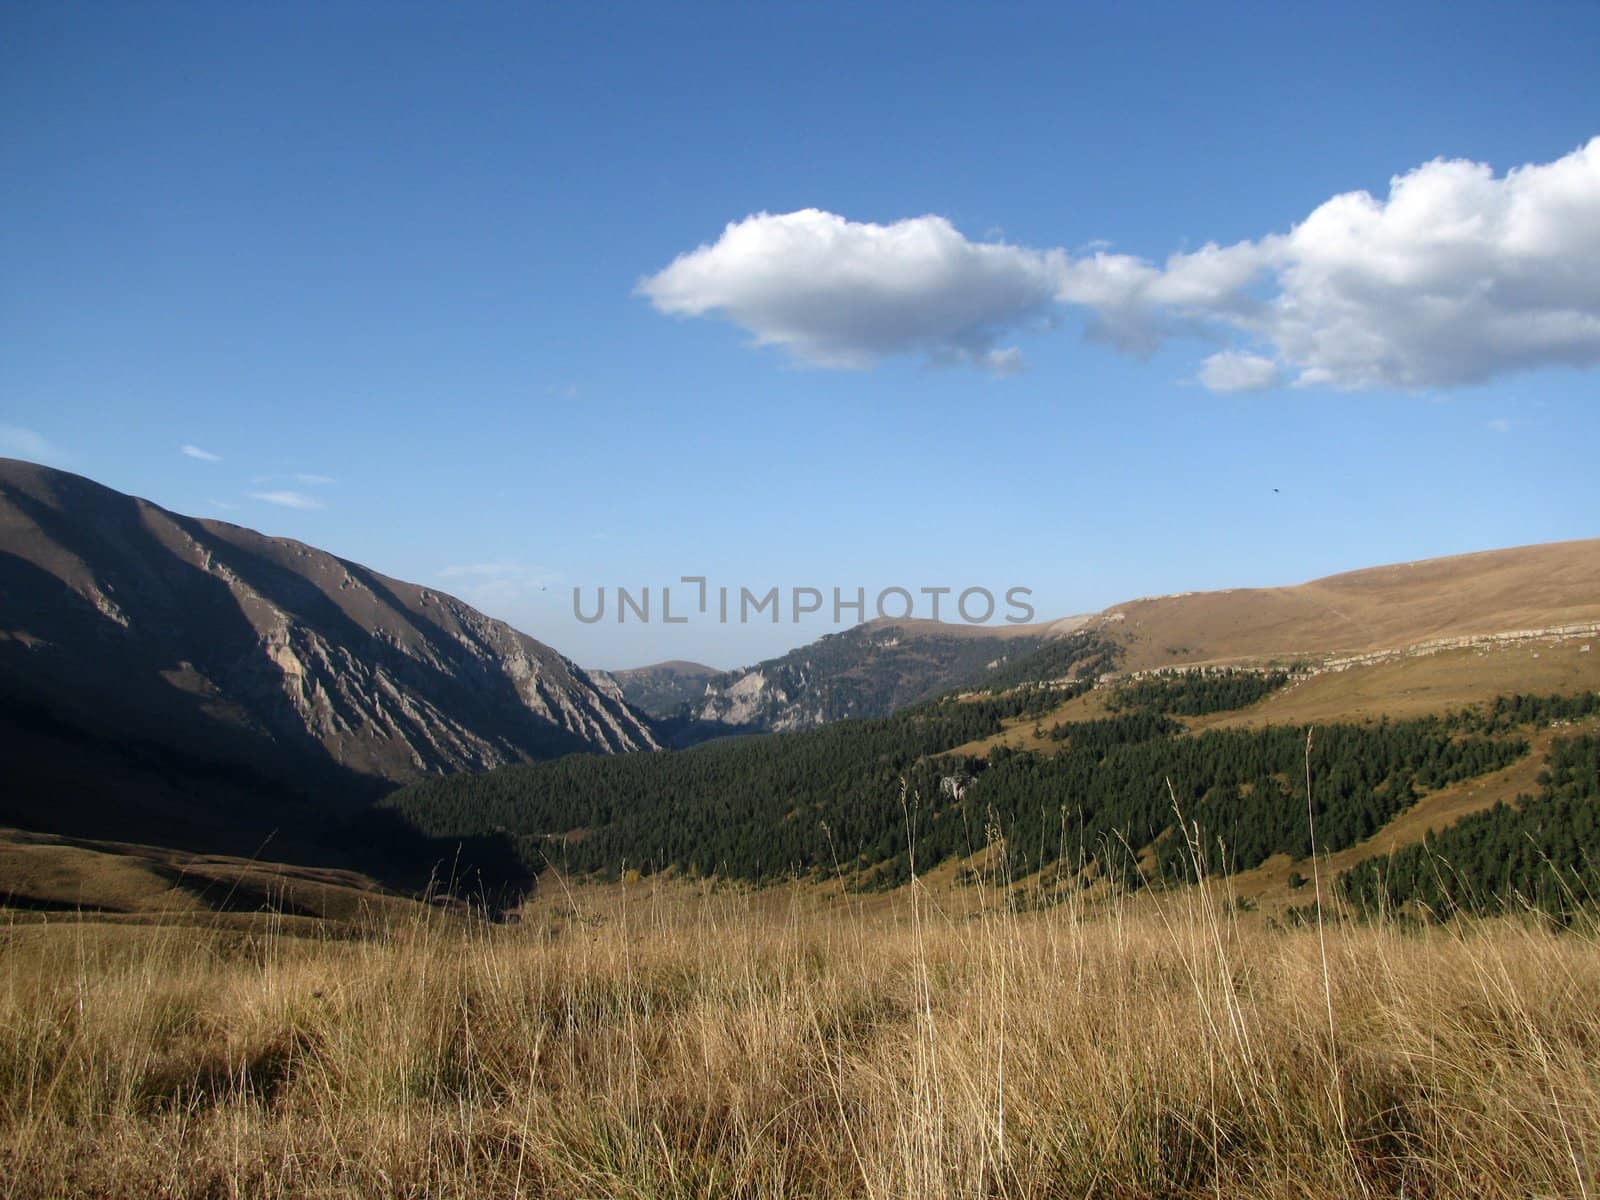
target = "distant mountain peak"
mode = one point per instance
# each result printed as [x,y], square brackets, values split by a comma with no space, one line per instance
[868,670]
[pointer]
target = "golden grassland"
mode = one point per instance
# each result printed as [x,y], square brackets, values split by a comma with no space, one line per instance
[669,1041]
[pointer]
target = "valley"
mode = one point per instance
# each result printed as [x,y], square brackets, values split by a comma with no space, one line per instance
[315,881]
[799,602]
[292,731]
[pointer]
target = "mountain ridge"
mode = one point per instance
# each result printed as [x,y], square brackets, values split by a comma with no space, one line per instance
[868,670]
[211,640]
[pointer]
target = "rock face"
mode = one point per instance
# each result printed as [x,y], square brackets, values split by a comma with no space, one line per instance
[133,623]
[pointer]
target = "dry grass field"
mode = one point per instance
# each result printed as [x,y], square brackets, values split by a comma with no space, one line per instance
[659,1042]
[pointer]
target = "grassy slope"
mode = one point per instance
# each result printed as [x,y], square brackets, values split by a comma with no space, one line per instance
[1402,689]
[1413,687]
[662,1040]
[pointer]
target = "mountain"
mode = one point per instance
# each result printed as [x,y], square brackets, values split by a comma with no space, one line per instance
[178,664]
[867,671]
[662,689]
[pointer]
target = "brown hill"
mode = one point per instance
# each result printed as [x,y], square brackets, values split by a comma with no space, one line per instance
[1397,641]
[1381,608]
[676,666]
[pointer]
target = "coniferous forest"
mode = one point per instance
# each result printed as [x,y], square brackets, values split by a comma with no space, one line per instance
[1537,853]
[1133,796]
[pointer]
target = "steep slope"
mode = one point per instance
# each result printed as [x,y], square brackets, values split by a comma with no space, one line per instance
[868,671]
[135,630]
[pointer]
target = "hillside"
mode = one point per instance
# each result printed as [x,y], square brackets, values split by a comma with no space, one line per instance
[187,671]
[1378,609]
[166,678]
[59,877]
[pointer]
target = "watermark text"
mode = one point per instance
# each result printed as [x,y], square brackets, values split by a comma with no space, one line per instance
[694,598]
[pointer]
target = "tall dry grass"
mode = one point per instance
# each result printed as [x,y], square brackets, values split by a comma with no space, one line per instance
[662,1044]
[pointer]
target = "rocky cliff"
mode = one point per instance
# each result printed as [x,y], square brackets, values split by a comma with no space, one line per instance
[137,624]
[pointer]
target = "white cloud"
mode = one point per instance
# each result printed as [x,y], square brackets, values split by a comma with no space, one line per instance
[1006,361]
[1239,371]
[191,451]
[1456,277]
[1499,425]
[1134,305]
[25,443]
[839,293]
[288,499]
[490,570]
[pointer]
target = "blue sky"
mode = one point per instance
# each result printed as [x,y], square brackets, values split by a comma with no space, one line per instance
[385,263]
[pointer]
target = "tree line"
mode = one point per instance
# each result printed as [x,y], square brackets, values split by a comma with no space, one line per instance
[1195,693]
